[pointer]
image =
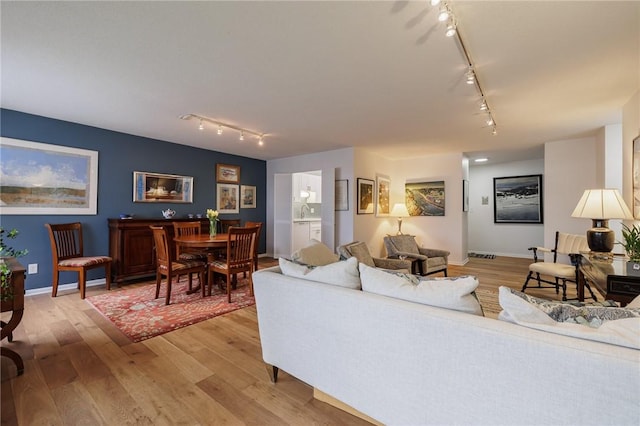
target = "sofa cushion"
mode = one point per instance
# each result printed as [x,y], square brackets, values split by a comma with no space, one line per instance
[618,326]
[451,293]
[343,273]
[360,251]
[315,254]
[635,303]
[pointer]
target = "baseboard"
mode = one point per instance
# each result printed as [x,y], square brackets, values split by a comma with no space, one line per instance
[321,396]
[63,287]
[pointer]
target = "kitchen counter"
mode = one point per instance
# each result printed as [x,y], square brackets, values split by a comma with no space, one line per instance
[308,219]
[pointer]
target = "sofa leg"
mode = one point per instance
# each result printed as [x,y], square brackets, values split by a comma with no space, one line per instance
[273,372]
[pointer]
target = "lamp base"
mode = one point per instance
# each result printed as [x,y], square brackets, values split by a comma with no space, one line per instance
[600,238]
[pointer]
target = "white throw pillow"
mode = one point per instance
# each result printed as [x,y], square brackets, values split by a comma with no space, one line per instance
[343,273]
[622,332]
[451,293]
[315,254]
[635,303]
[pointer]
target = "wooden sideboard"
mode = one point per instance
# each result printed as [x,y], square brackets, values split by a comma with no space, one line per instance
[131,246]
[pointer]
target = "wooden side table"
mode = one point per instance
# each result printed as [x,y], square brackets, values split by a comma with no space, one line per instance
[15,305]
[609,277]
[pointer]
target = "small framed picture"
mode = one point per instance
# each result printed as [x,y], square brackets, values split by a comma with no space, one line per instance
[247,197]
[227,198]
[365,196]
[382,196]
[226,173]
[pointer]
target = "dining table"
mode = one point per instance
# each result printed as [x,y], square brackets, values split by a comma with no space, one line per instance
[202,241]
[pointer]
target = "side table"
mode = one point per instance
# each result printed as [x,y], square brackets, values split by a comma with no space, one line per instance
[609,277]
[15,305]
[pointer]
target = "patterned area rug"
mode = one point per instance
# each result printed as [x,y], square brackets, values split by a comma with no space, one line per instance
[139,316]
[489,302]
[482,256]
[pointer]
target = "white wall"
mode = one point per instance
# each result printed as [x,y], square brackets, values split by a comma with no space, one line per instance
[503,239]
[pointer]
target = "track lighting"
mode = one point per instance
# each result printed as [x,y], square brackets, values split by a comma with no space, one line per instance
[443,15]
[221,125]
[451,28]
[446,14]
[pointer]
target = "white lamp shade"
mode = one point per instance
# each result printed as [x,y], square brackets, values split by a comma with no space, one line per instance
[602,204]
[399,210]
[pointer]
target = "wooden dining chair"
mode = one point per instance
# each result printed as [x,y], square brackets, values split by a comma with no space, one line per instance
[184,229]
[240,248]
[225,224]
[67,250]
[166,266]
[256,247]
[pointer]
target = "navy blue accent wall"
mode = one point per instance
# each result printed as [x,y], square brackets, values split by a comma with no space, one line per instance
[120,154]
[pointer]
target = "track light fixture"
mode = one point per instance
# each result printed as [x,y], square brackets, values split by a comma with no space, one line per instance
[446,14]
[221,125]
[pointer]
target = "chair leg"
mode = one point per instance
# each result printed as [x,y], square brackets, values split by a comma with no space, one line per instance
[107,275]
[564,290]
[82,282]
[158,282]
[445,272]
[558,285]
[167,299]
[524,287]
[229,288]
[56,278]
[595,299]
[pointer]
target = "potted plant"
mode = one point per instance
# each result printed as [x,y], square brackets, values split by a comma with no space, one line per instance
[6,291]
[631,244]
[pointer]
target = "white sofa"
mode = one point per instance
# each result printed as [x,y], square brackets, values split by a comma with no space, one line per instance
[403,363]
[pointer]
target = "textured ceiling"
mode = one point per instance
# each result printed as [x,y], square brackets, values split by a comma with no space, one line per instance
[317,76]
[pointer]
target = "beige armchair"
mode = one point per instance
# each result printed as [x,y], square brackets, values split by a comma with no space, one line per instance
[360,251]
[432,260]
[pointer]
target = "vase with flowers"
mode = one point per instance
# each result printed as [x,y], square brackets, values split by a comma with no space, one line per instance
[212,215]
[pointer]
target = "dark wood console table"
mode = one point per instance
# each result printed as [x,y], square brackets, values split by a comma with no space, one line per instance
[15,305]
[609,277]
[131,246]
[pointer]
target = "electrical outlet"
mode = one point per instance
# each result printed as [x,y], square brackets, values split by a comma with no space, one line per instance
[33,268]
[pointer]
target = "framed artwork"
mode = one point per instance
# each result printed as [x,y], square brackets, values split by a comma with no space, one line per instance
[425,198]
[517,199]
[227,198]
[44,179]
[636,178]
[465,195]
[342,195]
[227,174]
[365,196]
[162,188]
[247,197]
[382,196]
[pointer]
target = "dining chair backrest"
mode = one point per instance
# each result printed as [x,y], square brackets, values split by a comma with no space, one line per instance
[240,246]
[184,229]
[256,245]
[66,240]
[161,239]
[225,224]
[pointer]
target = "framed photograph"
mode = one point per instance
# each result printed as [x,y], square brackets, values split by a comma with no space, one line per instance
[465,195]
[636,178]
[44,179]
[342,195]
[517,199]
[382,196]
[365,196]
[247,197]
[162,188]
[425,198]
[227,174]
[227,198]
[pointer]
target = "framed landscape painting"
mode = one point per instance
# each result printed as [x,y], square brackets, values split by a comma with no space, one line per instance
[44,179]
[425,198]
[162,188]
[517,199]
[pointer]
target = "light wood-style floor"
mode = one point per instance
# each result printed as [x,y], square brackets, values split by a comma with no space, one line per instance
[79,369]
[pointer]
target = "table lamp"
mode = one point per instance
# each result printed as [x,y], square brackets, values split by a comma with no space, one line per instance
[600,205]
[399,210]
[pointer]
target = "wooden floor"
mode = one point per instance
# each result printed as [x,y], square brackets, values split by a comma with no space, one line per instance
[79,369]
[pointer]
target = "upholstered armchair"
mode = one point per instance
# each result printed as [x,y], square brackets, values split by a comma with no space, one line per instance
[360,251]
[433,260]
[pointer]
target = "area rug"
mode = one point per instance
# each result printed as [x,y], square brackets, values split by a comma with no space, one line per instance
[482,256]
[139,316]
[489,302]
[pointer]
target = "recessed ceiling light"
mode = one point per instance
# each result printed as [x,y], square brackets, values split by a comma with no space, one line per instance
[481,160]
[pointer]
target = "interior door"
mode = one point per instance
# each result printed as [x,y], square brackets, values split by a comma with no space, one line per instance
[282,215]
